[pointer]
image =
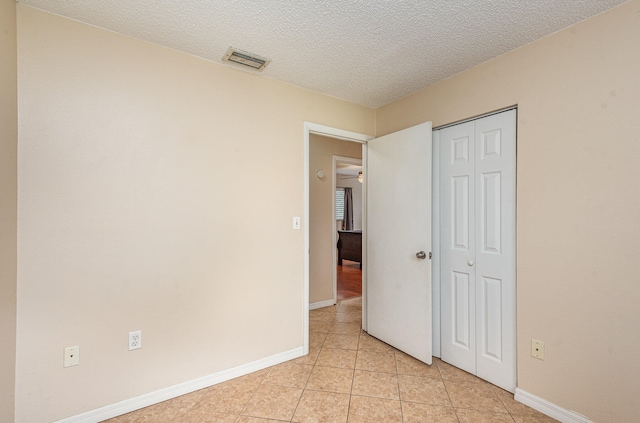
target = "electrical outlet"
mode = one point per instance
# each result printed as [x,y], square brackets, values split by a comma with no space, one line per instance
[537,349]
[71,356]
[135,340]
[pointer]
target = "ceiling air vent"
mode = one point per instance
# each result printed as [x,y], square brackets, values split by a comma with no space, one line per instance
[243,58]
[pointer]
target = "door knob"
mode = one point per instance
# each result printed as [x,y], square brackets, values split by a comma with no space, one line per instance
[421,255]
[470,263]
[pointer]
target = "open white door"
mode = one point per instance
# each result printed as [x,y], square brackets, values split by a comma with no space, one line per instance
[398,228]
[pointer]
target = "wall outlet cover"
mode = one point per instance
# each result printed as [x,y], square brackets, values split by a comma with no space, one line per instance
[537,349]
[71,356]
[135,340]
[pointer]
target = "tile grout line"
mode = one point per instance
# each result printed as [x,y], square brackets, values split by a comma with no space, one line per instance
[493,388]
[304,388]
[353,377]
[253,393]
[447,391]
[395,362]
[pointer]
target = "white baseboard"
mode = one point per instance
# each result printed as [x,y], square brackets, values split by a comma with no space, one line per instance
[156,397]
[550,409]
[321,304]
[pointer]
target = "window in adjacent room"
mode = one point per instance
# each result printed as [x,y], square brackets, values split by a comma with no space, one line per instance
[339,203]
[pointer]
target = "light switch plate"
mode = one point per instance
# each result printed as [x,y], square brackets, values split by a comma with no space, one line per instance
[296,222]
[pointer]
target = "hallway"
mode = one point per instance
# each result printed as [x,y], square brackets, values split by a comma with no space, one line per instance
[349,280]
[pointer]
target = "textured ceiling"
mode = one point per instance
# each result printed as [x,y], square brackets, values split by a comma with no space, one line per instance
[369,52]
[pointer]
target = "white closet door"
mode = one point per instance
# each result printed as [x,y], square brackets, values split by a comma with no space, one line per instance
[457,200]
[496,248]
[478,188]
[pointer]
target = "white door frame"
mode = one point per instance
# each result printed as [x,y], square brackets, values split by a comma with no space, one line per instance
[327,131]
[435,244]
[350,160]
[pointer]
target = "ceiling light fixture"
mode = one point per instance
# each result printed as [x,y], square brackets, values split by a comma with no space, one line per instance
[244,58]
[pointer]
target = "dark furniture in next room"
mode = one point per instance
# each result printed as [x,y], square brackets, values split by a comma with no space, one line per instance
[350,246]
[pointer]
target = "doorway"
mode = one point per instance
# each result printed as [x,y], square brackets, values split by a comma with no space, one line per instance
[332,161]
[348,210]
[332,133]
[396,239]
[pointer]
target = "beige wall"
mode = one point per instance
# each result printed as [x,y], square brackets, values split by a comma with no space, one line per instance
[128,220]
[8,206]
[578,97]
[321,218]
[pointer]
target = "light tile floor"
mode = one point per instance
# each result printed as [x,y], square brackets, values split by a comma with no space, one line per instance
[348,376]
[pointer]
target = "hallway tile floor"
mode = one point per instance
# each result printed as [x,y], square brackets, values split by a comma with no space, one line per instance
[348,376]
